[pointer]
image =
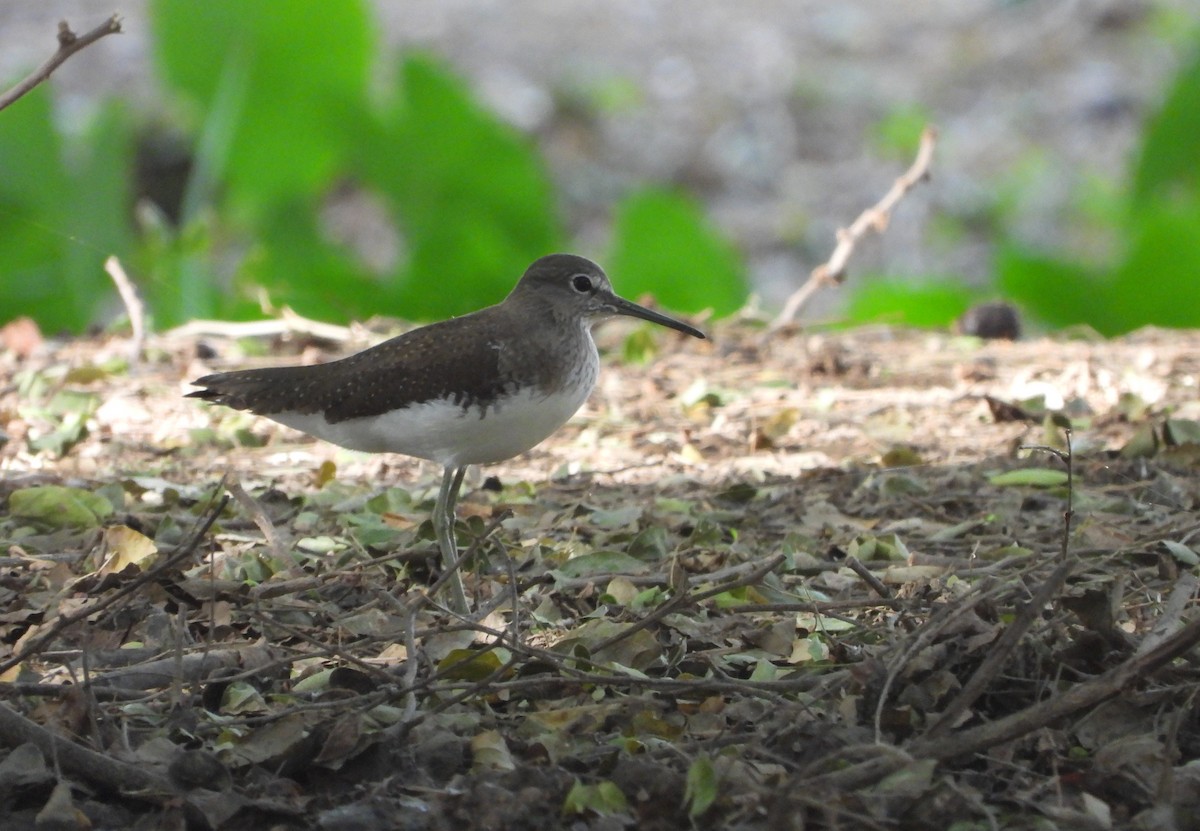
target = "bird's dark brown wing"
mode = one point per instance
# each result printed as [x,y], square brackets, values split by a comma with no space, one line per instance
[441,361]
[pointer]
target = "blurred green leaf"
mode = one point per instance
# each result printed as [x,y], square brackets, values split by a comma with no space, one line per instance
[70,429]
[611,95]
[1154,283]
[898,134]
[100,166]
[470,194]
[471,664]
[603,798]
[650,545]
[58,506]
[1169,161]
[639,347]
[1037,477]
[1181,431]
[287,81]
[600,562]
[295,266]
[1151,277]
[701,789]
[664,247]
[62,213]
[178,274]
[908,303]
[1157,281]
[1058,292]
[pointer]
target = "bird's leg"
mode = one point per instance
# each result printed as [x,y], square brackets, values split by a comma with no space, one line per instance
[443,526]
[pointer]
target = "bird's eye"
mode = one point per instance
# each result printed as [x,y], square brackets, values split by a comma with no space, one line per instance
[582,283]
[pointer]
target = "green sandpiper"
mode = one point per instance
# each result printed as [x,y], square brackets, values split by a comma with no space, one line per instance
[475,389]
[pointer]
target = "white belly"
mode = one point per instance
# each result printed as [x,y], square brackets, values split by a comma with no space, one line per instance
[444,432]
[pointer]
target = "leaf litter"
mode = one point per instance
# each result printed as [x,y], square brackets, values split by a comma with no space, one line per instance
[800,581]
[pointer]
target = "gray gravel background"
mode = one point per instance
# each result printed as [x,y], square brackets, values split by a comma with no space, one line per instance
[765,109]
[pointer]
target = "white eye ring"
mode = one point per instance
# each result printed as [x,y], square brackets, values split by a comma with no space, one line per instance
[582,283]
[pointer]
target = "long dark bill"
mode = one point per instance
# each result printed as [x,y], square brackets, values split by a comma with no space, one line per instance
[621,306]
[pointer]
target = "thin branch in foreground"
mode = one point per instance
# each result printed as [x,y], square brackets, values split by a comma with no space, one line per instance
[685,597]
[133,307]
[288,323]
[68,44]
[1007,643]
[33,642]
[876,585]
[279,550]
[977,739]
[78,761]
[875,218]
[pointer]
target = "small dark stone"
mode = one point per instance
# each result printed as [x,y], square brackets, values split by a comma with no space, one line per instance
[990,321]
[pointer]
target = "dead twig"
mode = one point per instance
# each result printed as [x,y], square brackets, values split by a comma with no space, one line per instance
[876,218]
[284,587]
[37,640]
[1177,602]
[288,323]
[1007,642]
[133,307]
[999,653]
[977,739]
[259,516]
[561,662]
[411,664]
[686,596]
[402,728]
[1067,458]
[656,579]
[68,44]
[575,678]
[820,606]
[78,761]
[870,579]
[58,691]
[925,637]
[1138,668]
[157,674]
[328,649]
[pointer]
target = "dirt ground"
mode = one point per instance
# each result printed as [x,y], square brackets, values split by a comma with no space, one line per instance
[778,581]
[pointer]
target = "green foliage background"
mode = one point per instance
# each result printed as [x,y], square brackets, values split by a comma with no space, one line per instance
[278,105]
[283,108]
[1154,278]
[56,212]
[1152,227]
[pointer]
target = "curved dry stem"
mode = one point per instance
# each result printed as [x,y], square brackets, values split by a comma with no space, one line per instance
[68,44]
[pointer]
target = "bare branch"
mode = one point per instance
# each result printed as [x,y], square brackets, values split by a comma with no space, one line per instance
[33,642]
[686,597]
[289,323]
[78,761]
[279,550]
[875,218]
[1004,646]
[68,44]
[989,734]
[133,307]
